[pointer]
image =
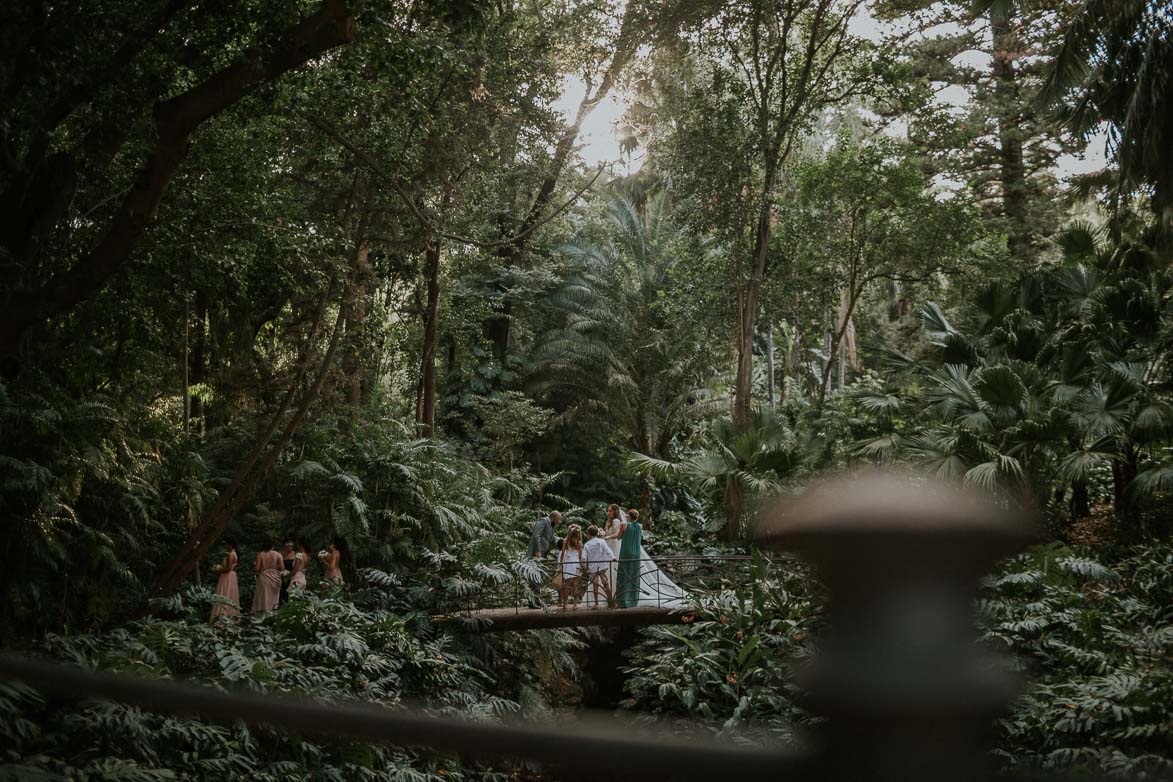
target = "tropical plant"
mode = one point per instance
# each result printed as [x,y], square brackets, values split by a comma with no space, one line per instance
[1060,383]
[754,460]
[322,647]
[1093,635]
[731,669]
[1114,65]
[87,496]
[621,347]
[1090,631]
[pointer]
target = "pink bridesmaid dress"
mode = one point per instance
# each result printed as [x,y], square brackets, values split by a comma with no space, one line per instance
[227,588]
[297,580]
[333,571]
[268,590]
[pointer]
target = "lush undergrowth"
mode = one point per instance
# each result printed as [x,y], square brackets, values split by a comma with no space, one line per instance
[1093,635]
[326,647]
[1091,632]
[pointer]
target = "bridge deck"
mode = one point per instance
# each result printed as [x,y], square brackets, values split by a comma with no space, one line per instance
[490,620]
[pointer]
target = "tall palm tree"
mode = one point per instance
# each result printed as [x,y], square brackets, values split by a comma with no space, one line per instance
[621,346]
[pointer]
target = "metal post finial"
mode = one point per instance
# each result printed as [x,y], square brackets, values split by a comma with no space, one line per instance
[907,691]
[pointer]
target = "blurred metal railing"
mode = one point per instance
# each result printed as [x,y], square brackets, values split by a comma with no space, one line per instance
[906,693]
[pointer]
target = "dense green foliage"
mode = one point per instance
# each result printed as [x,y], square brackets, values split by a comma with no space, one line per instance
[1091,634]
[273,270]
[325,647]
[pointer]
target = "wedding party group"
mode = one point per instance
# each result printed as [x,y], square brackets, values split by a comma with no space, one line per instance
[603,566]
[278,573]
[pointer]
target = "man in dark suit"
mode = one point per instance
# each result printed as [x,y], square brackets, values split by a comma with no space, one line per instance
[541,541]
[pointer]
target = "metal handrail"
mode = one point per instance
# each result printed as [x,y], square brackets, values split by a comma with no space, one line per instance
[517,592]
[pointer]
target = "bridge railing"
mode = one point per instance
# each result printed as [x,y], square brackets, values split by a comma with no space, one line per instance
[675,581]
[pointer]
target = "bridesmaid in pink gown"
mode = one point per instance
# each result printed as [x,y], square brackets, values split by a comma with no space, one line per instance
[332,560]
[268,567]
[227,586]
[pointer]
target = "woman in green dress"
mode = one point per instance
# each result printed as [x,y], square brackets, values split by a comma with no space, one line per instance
[627,591]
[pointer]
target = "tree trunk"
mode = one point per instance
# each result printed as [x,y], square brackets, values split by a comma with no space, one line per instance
[789,364]
[835,345]
[198,357]
[733,506]
[770,364]
[1080,504]
[186,380]
[1124,471]
[357,314]
[645,499]
[425,417]
[176,119]
[749,291]
[1012,167]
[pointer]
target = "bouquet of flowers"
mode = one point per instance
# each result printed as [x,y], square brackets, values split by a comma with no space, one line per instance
[217,568]
[323,554]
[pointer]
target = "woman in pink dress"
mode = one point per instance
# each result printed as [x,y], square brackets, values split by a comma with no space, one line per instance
[332,561]
[301,559]
[268,567]
[226,585]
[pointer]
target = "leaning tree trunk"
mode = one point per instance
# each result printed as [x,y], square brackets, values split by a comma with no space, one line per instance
[835,355]
[252,468]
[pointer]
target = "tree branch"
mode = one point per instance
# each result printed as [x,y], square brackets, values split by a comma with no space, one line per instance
[175,121]
[404,196]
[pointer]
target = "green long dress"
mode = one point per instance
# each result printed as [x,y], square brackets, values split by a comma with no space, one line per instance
[627,590]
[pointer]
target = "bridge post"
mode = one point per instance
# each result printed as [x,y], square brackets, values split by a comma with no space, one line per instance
[907,693]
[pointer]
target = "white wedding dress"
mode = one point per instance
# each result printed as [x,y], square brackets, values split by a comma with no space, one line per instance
[655,588]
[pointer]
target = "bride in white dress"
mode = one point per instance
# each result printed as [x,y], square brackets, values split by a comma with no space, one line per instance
[655,588]
[611,532]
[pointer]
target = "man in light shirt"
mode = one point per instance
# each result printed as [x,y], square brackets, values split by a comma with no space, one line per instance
[597,557]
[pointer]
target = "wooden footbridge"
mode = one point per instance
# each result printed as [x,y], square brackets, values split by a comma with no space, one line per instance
[669,593]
